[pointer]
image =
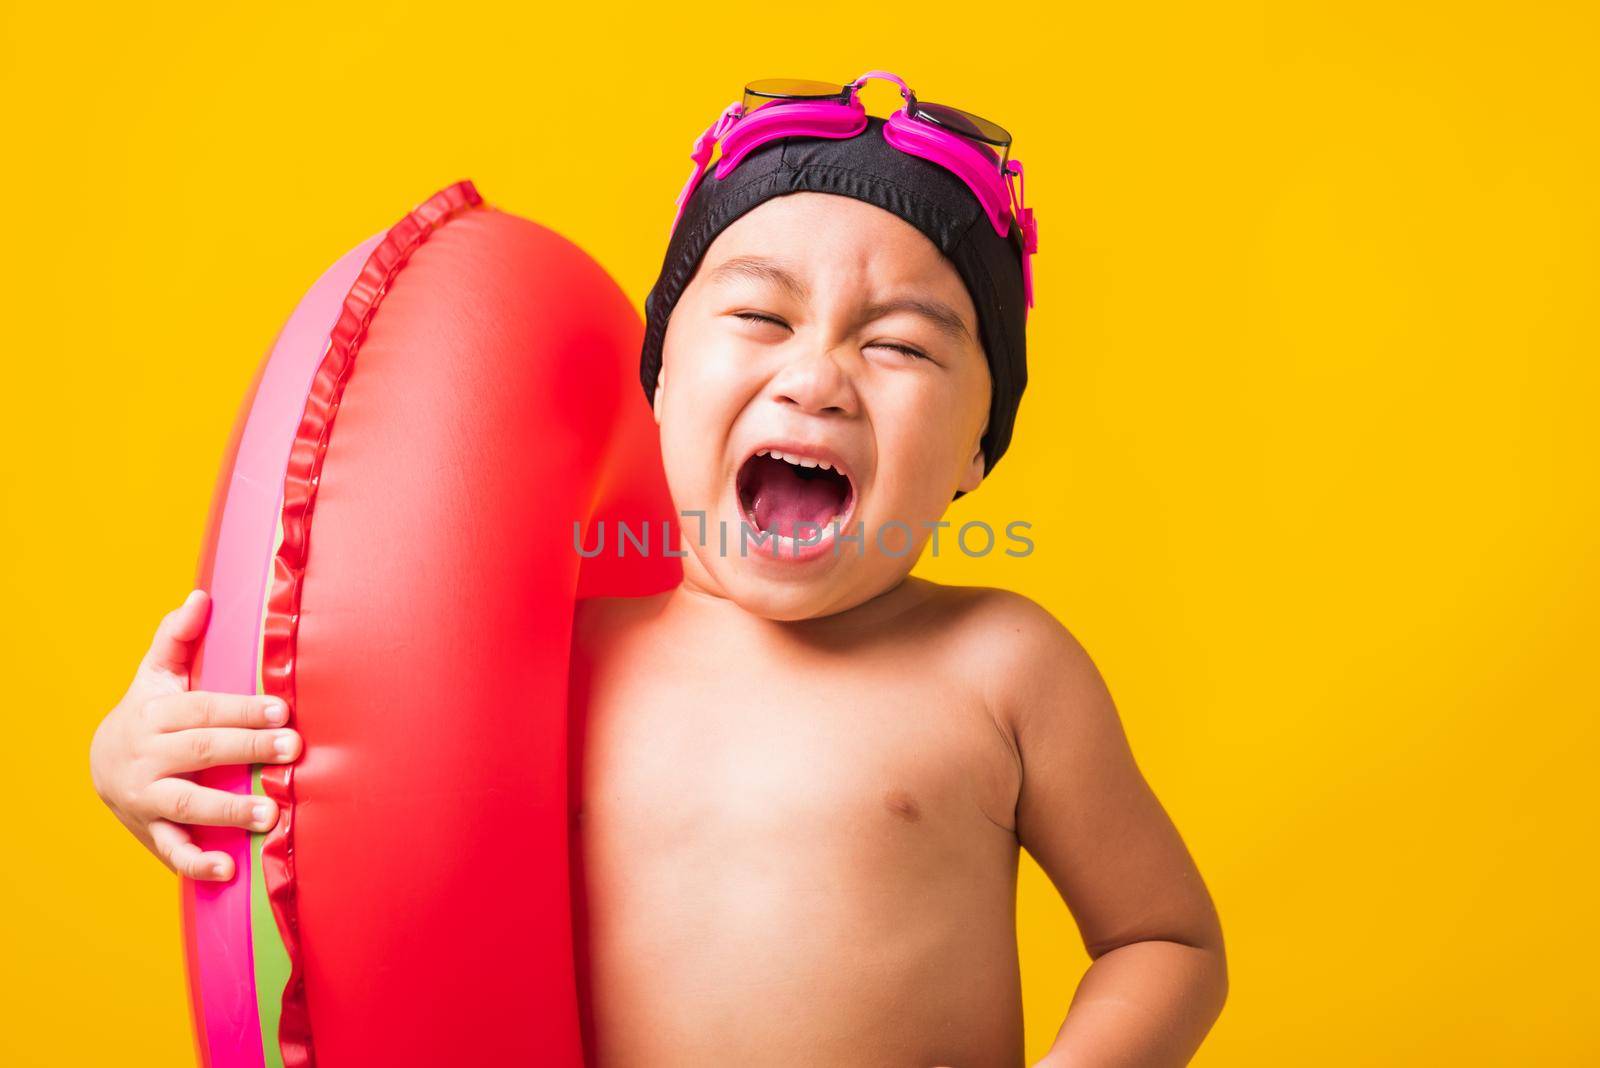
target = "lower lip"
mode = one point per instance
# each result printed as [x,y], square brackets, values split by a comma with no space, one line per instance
[792,550]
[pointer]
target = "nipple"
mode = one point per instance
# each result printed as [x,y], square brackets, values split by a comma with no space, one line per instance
[902,804]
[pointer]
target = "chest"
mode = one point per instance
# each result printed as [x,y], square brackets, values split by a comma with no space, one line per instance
[690,748]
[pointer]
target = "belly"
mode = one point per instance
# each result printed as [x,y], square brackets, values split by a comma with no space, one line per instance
[801,890]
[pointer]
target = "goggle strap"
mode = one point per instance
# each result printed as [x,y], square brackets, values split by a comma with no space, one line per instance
[888,76]
[1029,228]
[701,154]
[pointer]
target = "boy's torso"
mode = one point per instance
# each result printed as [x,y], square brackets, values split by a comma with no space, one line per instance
[796,848]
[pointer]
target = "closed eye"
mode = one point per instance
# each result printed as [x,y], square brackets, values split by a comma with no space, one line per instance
[913,353]
[757,317]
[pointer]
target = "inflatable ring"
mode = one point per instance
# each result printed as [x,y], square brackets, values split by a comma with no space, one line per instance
[391,551]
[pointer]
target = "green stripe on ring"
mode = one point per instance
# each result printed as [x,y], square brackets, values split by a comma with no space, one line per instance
[271,959]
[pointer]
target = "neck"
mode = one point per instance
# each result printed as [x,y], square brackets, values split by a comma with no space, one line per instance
[700,596]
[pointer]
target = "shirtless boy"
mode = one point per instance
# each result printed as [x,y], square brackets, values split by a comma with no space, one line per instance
[807,775]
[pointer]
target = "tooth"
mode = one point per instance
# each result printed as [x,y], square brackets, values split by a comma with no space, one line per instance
[806,461]
[776,455]
[825,465]
[763,452]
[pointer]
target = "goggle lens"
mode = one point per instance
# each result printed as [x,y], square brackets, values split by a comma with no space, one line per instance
[989,136]
[780,90]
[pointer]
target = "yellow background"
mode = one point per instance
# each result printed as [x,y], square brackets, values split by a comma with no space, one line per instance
[1310,447]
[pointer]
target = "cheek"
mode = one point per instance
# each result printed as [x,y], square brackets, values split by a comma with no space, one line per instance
[707,363]
[913,468]
[706,389]
[710,371]
[923,437]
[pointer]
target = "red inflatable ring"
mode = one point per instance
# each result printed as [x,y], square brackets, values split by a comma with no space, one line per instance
[390,550]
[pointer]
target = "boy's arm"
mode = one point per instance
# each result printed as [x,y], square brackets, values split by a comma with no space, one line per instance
[1159,977]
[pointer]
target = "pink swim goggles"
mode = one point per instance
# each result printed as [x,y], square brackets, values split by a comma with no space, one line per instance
[973,149]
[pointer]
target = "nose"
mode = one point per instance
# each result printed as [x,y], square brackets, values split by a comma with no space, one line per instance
[814,382]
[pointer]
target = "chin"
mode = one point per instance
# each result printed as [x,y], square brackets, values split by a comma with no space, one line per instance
[787,590]
[781,606]
[793,599]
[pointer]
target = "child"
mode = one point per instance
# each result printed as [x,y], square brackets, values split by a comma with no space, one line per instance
[806,774]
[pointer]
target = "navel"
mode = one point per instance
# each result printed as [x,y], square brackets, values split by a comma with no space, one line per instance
[902,804]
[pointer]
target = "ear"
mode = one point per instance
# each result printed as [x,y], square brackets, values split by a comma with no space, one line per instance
[972,474]
[655,399]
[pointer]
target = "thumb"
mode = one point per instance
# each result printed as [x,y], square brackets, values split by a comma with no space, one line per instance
[173,646]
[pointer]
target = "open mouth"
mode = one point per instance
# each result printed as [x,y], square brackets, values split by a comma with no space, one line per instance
[792,494]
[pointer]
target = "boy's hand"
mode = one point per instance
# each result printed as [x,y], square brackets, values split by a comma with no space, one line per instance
[160,731]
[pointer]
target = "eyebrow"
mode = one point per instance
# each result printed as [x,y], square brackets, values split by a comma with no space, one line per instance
[944,318]
[761,269]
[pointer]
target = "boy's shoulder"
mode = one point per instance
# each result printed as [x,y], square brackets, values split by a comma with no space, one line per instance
[993,614]
[1017,650]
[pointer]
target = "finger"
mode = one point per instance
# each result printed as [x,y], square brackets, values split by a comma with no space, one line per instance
[205,708]
[210,747]
[183,801]
[172,649]
[177,849]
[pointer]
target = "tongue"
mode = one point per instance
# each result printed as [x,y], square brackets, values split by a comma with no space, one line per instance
[785,503]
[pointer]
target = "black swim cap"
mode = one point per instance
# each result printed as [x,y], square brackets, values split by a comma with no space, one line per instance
[867,168]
